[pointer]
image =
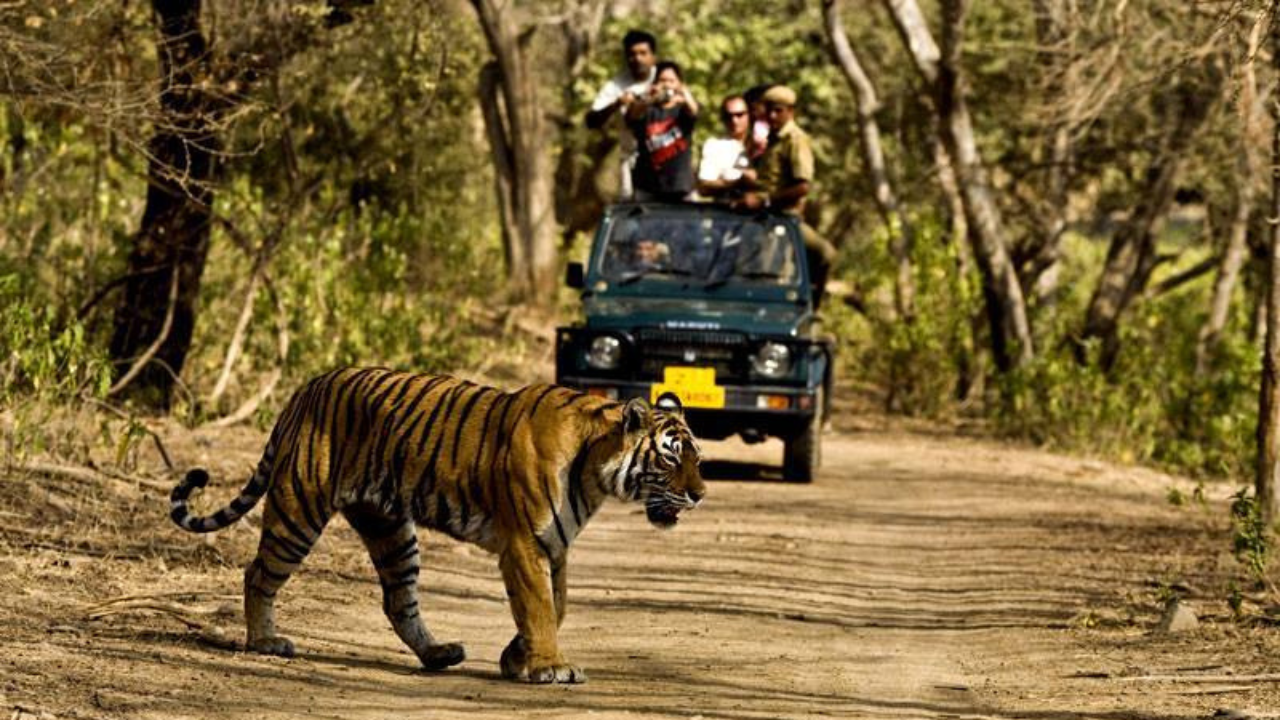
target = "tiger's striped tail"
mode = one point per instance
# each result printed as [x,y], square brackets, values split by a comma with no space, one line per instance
[233,511]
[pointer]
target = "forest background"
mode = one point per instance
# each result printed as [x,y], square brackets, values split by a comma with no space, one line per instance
[1052,216]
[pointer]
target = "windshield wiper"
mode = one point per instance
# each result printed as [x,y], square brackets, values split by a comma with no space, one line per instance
[628,279]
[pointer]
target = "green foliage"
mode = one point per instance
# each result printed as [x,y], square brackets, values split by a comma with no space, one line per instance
[920,363]
[1152,406]
[387,255]
[1178,498]
[46,363]
[1251,542]
[369,289]
[127,439]
[1235,598]
[43,357]
[357,168]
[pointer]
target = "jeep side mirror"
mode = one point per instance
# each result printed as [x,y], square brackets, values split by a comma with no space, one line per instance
[573,276]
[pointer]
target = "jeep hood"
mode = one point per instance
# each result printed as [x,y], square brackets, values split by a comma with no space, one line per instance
[755,317]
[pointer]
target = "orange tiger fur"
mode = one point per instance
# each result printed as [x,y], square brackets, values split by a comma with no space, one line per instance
[518,474]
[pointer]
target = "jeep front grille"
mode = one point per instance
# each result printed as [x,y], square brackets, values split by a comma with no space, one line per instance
[726,352]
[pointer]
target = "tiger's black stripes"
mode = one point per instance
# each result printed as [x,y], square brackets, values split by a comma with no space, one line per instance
[501,492]
[575,482]
[394,451]
[533,410]
[463,416]
[433,463]
[629,478]
[429,428]
[428,478]
[316,525]
[348,391]
[398,555]
[462,479]
[303,540]
[405,435]
[279,577]
[296,553]
[320,405]
[571,400]
[485,432]
[367,435]
[373,464]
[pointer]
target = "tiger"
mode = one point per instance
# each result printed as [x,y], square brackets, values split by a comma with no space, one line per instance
[516,473]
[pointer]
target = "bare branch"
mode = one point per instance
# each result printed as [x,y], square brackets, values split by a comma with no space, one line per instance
[1173,282]
[247,408]
[242,325]
[154,348]
[899,225]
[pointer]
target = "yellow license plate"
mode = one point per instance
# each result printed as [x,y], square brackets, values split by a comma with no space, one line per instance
[695,386]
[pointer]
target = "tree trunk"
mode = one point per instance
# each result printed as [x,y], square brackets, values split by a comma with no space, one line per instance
[1040,272]
[1011,341]
[1131,257]
[958,225]
[518,140]
[174,234]
[495,124]
[1269,405]
[579,201]
[969,341]
[901,233]
[1232,260]
[169,250]
[1236,251]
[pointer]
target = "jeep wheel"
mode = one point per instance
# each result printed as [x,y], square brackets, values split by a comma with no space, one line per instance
[803,453]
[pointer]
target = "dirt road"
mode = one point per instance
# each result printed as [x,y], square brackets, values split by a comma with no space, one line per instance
[919,577]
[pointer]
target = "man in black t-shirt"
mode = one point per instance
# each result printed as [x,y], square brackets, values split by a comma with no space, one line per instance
[663,125]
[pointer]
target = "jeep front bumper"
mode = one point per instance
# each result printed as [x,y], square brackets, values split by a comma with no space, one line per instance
[773,410]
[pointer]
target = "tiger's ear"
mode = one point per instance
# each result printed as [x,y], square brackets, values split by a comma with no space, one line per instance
[635,415]
[670,402]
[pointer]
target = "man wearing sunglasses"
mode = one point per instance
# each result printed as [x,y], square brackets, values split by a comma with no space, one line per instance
[724,158]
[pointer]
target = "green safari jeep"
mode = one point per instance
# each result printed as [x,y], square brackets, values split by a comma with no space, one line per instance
[714,305]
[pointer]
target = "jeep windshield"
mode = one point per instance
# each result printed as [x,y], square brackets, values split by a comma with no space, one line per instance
[710,248]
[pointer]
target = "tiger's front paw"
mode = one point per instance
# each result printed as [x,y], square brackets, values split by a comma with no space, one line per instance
[273,645]
[557,674]
[517,664]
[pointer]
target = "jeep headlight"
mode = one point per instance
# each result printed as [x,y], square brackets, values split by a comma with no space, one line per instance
[605,353]
[772,360]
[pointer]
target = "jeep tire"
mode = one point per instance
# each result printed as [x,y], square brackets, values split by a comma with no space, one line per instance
[802,454]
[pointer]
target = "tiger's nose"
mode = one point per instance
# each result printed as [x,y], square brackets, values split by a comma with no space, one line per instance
[694,496]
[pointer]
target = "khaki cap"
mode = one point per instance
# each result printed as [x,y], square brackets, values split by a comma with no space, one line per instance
[780,95]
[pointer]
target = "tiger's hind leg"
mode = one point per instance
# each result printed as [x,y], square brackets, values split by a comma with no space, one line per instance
[286,541]
[393,546]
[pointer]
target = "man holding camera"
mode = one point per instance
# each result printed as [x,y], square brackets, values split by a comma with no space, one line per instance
[663,126]
[639,49]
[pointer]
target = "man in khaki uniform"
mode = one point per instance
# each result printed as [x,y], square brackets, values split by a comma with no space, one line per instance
[783,176]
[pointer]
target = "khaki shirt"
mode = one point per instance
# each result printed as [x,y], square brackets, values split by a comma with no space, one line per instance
[787,160]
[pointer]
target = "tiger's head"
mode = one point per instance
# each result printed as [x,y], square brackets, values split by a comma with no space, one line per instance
[659,462]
